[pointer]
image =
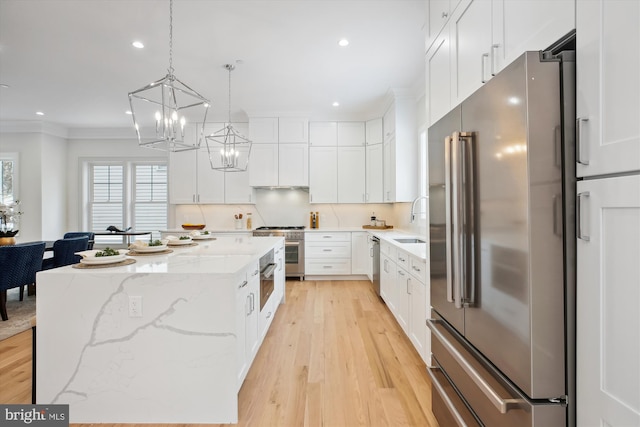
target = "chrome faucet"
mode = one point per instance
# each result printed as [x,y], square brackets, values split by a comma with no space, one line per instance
[413,207]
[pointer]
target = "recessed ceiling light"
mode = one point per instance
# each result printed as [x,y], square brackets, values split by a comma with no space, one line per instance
[336,104]
[4,86]
[39,113]
[137,44]
[343,43]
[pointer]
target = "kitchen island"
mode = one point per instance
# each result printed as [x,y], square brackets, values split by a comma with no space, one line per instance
[167,339]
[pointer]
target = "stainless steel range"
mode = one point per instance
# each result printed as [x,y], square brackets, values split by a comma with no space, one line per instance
[293,245]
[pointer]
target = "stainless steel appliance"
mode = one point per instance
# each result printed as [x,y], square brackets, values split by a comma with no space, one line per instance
[267,267]
[375,254]
[293,247]
[502,192]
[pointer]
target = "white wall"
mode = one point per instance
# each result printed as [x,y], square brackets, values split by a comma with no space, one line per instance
[29,149]
[54,188]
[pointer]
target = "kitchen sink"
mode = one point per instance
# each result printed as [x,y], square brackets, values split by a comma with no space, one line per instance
[410,240]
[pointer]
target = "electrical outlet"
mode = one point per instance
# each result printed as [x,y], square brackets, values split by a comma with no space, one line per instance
[135,306]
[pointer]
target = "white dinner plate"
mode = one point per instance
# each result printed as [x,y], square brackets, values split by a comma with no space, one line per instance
[178,242]
[203,237]
[147,249]
[93,260]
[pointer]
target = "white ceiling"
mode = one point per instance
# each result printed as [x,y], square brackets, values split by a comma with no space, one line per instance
[73,59]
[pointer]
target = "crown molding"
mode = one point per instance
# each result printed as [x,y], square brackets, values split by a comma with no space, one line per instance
[33,126]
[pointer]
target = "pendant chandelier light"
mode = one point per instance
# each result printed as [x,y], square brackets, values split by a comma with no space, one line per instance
[162,109]
[228,149]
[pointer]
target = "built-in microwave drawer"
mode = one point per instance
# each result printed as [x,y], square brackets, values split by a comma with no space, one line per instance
[486,392]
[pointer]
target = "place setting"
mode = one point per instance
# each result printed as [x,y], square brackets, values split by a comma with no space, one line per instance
[180,242]
[103,258]
[155,247]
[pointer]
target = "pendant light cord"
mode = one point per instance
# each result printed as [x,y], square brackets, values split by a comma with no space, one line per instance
[171,37]
[230,68]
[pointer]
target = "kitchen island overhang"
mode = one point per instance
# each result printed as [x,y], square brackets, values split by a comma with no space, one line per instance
[176,363]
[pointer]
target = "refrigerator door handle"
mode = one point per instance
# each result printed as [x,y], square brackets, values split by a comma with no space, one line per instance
[457,206]
[467,250]
[502,405]
[448,213]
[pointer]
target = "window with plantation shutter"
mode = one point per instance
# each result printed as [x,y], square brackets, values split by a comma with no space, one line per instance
[126,194]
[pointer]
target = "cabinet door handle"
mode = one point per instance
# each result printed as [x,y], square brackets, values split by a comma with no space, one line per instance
[415,268]
[247,305]
[482,71]
[269,315]
[445,14]
[494,48]
[579,150]
[193,198]
[400,272]
[243,284]
[409,285]
[579,233]
[402,259]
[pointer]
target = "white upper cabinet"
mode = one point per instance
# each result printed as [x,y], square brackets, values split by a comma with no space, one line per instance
[323,134]
[210,182]
[608,87]
[487,35]
[351,175]
[263,130]
[438,75]
[293,160]
[183,177]
[519,26]
[373,132]
[351,134]
[471,43]
[323,174]
[400,148]
[263,167]
[284,160]
[374,172]
[293,130]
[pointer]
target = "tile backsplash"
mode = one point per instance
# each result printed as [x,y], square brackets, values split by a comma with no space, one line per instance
[291,207]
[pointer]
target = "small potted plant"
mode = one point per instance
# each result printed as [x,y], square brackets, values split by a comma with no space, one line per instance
[9,219]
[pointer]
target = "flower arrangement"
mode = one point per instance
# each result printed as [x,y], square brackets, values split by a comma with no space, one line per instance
[9,219]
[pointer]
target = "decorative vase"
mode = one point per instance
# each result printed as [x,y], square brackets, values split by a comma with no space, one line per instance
[5,241]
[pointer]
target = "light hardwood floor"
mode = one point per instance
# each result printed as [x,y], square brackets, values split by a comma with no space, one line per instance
[334,356]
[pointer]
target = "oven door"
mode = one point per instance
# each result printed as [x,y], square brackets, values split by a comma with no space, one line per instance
[266,283]
[294,257]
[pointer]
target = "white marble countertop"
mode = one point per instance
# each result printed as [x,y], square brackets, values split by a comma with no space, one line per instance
[418,250]
[222,255]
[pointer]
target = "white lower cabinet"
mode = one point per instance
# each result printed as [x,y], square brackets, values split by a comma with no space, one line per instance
[247,310]
[403,287]
[388,274]
[360,253]
[403,282]
[419,301]
[328,253]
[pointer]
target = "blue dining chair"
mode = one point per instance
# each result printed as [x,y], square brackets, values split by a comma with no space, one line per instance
[89,234]
[64,252]
[19,265]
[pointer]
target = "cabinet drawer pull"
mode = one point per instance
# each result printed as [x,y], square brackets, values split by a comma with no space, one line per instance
[269,315]
[415,268]
[327,250]
[327,266]
[579,233]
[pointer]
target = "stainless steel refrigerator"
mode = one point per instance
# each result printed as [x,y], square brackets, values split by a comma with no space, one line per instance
[502,249]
